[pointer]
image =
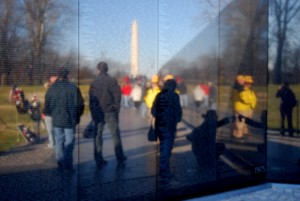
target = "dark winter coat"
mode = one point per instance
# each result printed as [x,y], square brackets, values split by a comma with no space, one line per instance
[105,96]
[167,110]
[64,102]
[288,98]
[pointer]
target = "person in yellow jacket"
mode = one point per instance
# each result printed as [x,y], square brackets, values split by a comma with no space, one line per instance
[152,92]
[244,102]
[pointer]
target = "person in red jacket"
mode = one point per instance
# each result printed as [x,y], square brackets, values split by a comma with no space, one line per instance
[126,91]
[205,88]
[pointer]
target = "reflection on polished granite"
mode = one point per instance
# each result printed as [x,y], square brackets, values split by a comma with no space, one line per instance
[264,192]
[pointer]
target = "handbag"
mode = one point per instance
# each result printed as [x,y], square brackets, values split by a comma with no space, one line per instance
[152,137]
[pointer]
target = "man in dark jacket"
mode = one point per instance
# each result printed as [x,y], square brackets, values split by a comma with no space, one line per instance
[105,99]
[64,102]
[167,112]
[288,102]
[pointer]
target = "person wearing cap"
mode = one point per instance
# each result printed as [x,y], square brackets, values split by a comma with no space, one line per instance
[64,103]
[105,101]
[167,112]
[244,102]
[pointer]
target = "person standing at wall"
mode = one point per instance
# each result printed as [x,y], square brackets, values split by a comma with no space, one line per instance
[199,95]
[167,112]
[213,96]
[205,89]
[244,101]
[136,95]
[182,89]
[64,102]
[287,103]
[126,91]
[151,92]
[46,116]
[105,100]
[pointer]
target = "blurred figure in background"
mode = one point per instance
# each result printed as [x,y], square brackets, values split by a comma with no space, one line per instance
[198,96]
[136,95]
[14,94]
[46,115]
[287,103]
[244,101]
[205,89]
[182,89]
[126,91]
[151,92]
[213,96]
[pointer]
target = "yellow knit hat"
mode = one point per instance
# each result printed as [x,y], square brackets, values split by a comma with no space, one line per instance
[248,79]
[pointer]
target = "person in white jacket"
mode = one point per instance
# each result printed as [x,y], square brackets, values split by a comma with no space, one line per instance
[199,96]
[136,95]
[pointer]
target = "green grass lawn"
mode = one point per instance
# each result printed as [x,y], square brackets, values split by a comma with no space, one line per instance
[9,137]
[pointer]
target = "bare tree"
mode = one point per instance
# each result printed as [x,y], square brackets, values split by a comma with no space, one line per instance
[209,10]
[41,17]
[8,38]
[283,12]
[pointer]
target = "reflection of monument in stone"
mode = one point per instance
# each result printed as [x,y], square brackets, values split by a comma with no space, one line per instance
[134,49]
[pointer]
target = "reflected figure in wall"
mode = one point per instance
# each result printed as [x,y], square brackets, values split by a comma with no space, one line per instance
[126,91]
[287,103]
[213,96]
[105,100]
[167,113]
[205,89]
[244,101]
[64,102]
[199,95]
[151,92]
[46,116]
[136,95]
[204,146]
[182,89]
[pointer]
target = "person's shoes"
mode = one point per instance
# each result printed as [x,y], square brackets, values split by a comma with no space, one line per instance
[49,146]
[166,180]
[60,167]
[70,169]
[122,160]
[101,164]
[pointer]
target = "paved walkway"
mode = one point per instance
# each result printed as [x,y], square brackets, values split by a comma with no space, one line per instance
[29,173]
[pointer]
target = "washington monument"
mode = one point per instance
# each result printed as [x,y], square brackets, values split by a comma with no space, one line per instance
[134,49]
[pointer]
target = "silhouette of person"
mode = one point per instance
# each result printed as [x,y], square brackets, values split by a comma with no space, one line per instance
[167,112]
[64,102]
[105,100]
[287,103]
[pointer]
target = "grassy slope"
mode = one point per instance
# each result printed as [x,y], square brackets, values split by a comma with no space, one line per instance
[9,136]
